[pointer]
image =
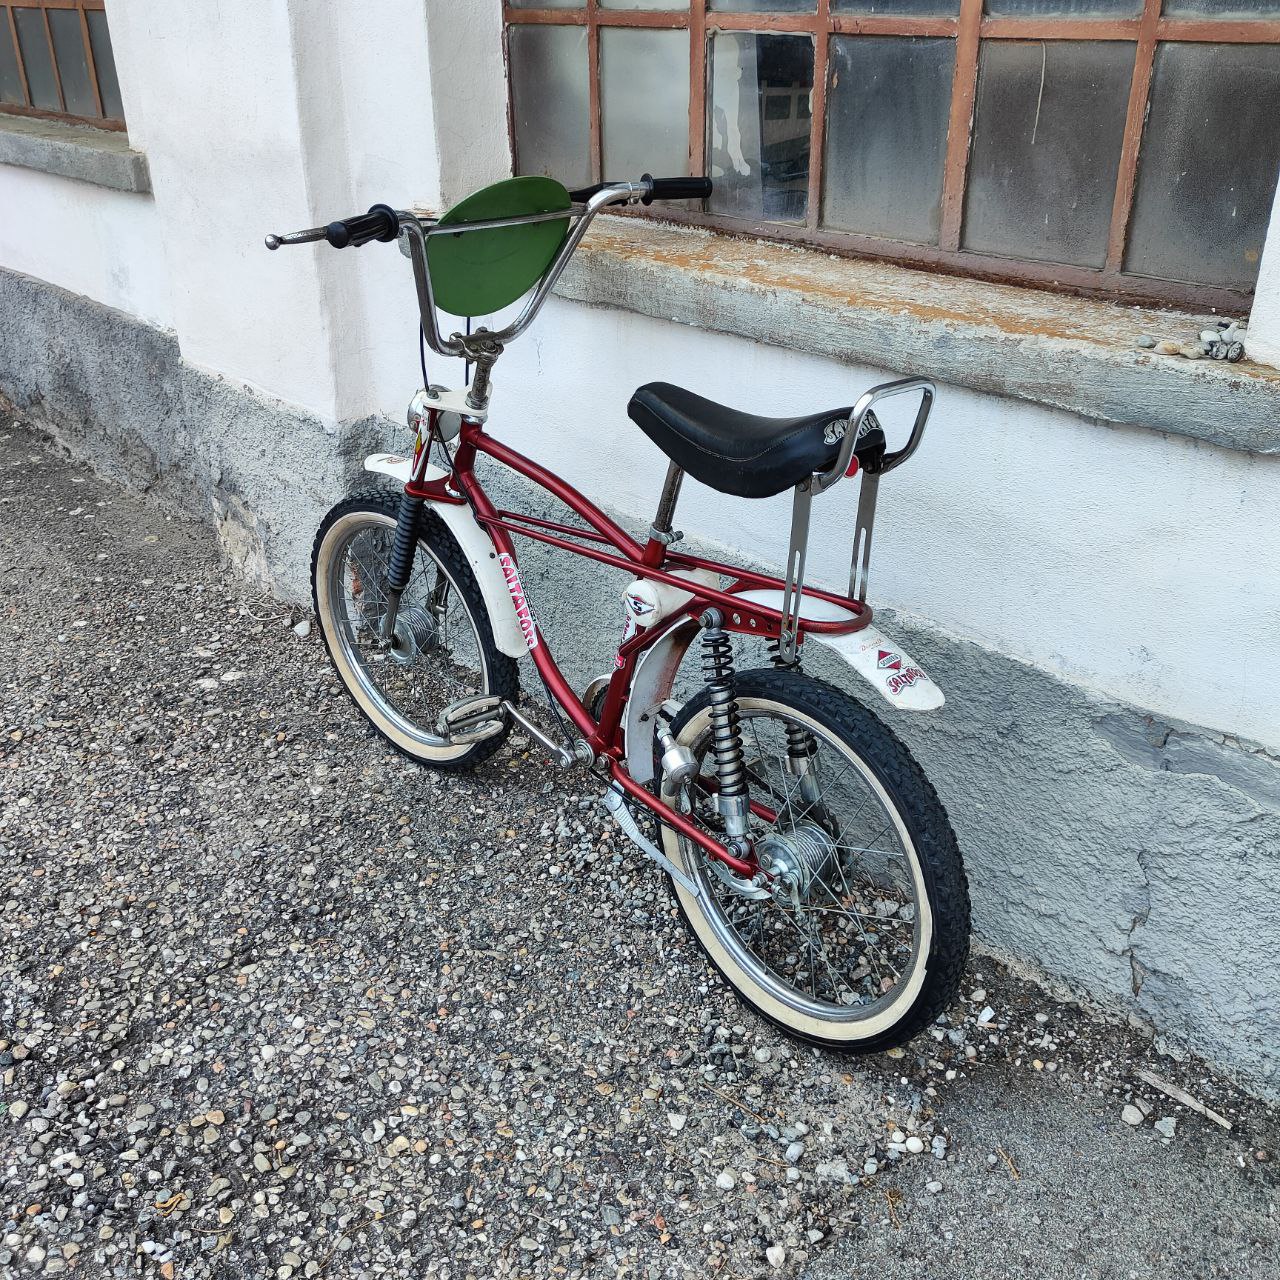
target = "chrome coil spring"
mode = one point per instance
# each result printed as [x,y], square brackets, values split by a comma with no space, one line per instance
[726,729]
[802,746]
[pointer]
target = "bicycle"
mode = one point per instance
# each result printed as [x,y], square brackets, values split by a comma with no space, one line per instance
[807,852]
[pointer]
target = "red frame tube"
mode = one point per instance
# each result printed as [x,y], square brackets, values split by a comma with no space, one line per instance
[646,561]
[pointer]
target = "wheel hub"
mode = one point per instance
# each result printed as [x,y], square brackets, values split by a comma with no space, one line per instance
[415,631]
[796,858]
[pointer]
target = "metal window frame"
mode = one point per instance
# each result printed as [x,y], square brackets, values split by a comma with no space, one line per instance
[25,108]
[970,28]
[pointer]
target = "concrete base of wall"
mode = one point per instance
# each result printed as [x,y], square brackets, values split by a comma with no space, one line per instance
[1134,860]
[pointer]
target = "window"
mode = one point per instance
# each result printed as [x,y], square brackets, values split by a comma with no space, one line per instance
[1113,147]
[56,62]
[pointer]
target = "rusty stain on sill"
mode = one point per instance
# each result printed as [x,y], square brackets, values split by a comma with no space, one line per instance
[1009,310]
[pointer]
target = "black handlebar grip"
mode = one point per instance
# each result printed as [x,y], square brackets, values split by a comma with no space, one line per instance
[380,223]
[675,189]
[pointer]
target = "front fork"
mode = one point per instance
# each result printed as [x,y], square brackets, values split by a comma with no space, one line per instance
[400,569]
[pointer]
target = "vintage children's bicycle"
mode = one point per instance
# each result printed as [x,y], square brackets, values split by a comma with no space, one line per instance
[808,853]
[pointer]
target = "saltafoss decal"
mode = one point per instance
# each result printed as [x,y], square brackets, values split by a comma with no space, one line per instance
[528,626]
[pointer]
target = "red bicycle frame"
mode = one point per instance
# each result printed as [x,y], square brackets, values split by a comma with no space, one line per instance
[606,542]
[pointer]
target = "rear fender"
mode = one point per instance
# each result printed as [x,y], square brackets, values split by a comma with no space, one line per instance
[476,547]
[883,663]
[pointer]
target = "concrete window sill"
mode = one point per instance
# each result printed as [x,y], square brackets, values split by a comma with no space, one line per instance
[1070,353]
[73,151]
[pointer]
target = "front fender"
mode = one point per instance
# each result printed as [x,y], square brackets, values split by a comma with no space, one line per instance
[475,546]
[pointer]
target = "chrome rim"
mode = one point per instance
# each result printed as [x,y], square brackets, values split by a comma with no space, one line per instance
[837,933]
[436,656]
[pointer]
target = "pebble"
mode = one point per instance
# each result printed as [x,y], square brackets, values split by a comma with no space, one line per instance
[1131,1115]
[303,629]
[933,1187]
[258,1043]
[1167,1126]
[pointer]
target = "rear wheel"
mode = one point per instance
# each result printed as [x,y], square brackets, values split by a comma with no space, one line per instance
[861,935]
[443,648]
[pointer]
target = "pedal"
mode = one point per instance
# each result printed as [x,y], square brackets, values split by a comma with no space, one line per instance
[472,719]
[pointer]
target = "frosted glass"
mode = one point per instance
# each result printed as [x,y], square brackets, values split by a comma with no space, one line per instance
[10,77]
[758,125]
[1205,188]
[763,6]
[73,62]
[1046,148]
[104,60]
[37,60]
[651,5]
[644,100]
[550,102]
[1221,8]
[908,8]
[1065,8]
[888,103]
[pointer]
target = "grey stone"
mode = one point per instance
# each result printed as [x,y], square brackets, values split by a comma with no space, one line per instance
[74,151]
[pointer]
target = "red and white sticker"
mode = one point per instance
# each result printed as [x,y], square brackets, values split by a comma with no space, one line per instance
[524,615]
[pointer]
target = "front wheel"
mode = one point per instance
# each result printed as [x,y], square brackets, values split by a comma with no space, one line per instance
[442,650]
[859,937]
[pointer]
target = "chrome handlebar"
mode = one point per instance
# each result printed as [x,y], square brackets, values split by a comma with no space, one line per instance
[415,232]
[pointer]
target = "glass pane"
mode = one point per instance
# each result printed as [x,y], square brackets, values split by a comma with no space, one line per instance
[37,60]
[1066,8]
[909,8]
[1221,8]
[73,61]
[1205,186]
[645,4]
[1046,147]
[644,100]
[887,108]
[550,102]
[547,4]
[10,78]
[104,59]
[759,125]
[763,6]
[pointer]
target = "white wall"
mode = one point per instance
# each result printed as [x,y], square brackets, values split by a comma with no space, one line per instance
[1143,566]
[91,240]
[1263,342]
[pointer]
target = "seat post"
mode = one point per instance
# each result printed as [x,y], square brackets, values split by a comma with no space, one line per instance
[661,534]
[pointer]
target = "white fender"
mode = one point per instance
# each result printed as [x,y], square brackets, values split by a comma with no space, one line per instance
[883,663]
[477,549]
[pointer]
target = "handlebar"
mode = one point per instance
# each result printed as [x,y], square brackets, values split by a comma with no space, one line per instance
[657,189]
[383,223]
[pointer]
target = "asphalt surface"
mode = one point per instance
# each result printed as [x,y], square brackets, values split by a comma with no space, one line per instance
[274,1003]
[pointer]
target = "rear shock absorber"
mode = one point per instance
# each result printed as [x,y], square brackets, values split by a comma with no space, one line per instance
[732,801]
[802,746]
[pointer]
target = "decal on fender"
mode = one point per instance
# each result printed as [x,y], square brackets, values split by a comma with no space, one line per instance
[528,627]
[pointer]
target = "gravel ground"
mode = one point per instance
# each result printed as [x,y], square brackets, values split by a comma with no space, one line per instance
[274,1003]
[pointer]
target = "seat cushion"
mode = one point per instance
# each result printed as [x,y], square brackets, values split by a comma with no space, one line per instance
[735,452]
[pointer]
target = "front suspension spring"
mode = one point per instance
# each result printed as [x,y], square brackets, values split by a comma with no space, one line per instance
[726,730]
[405,544]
